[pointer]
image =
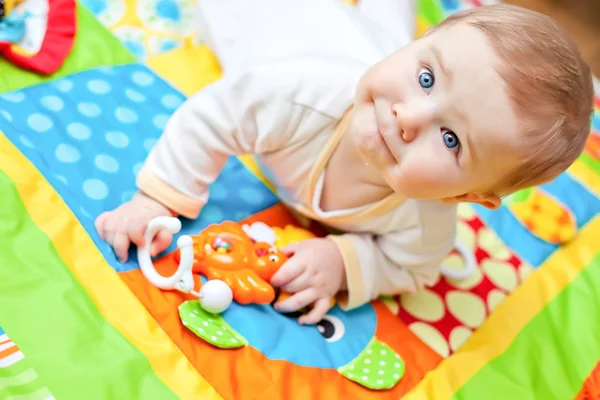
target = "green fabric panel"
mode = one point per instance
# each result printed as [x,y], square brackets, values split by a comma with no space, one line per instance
[41,394]
[49,315]
[431,11]
[590,162]
[553,354]
[20,379]
[94,47]
[12,370]
[20,384]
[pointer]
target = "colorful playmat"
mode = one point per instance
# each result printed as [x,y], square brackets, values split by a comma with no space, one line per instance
[78,324]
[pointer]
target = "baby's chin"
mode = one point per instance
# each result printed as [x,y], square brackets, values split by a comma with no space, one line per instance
[368,142]
[364,155]
[406,188]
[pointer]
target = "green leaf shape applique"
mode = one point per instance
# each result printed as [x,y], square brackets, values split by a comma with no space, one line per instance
[210,327]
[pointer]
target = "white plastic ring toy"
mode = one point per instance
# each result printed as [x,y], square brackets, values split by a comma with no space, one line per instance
[460,274]
[214,296]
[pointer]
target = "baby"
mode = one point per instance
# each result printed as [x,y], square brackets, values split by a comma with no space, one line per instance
[377,144]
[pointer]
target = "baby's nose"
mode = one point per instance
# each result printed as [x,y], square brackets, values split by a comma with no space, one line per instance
[413,117]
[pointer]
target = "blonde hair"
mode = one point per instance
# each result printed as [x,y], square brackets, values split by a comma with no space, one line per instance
[549,83]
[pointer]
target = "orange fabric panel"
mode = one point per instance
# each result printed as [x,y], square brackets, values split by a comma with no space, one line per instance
[591,386]
[247,374]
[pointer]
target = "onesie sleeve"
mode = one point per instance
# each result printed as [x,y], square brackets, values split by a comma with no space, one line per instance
[250,113]
[398,262]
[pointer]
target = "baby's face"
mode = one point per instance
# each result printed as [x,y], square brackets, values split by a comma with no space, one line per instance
[434,118]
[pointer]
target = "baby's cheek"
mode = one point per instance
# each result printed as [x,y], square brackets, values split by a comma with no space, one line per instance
[420,179]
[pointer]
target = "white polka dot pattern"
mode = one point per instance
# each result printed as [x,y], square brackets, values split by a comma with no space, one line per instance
[210,327]
[90,133]
[376,367]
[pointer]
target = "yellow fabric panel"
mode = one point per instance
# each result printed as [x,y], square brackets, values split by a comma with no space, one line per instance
[114,300]
[189,69]
[510,316]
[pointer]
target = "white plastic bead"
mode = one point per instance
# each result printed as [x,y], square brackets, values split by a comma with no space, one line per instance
[215,296]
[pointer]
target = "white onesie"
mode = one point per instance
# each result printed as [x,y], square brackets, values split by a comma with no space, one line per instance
[290,110]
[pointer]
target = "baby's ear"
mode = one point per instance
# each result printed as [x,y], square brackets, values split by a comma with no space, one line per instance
[490,201]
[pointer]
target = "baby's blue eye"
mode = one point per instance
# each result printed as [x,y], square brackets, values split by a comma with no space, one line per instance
[426,79]
[450,139]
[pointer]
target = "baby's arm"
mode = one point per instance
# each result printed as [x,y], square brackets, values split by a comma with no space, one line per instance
[403,261]
[247,114]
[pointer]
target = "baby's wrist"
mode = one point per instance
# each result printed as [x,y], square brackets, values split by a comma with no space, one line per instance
[342,267]
[144,199]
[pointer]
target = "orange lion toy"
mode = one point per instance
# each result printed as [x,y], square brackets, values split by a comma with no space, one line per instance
[224,251]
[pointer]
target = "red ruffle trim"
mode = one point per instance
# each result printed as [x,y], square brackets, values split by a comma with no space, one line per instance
[56,45]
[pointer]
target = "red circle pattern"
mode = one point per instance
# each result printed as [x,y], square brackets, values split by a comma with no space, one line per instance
[448,322]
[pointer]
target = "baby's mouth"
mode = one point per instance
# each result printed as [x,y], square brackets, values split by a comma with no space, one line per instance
[387,146]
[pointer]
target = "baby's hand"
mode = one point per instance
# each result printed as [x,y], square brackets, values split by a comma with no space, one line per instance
[314,273]
[127,224]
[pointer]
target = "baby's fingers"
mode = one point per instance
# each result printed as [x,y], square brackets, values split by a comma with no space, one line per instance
[289,271]
[291,248]
[99,224]
[136,231]
[120,245]
[298,283]
[115,235]
[161,241]
[296,301]
[317,313]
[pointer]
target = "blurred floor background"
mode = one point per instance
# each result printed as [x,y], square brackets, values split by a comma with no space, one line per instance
[580,17]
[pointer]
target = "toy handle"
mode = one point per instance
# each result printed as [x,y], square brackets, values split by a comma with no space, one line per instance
[182,279]
[471,264]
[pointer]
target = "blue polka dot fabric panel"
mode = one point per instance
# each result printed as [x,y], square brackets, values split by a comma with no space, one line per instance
[90,133]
